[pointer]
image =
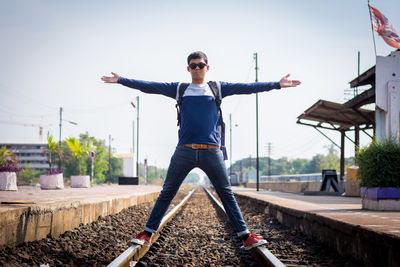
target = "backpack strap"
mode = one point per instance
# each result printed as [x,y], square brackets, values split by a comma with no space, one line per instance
[216,89]
[179,95]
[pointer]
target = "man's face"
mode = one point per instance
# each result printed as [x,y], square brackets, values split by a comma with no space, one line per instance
[198,72]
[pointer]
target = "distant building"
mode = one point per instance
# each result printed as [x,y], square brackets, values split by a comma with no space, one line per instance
[128,164]
[30,155]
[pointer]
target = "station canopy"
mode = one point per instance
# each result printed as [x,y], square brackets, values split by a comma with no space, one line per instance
[345,117]
[335,116]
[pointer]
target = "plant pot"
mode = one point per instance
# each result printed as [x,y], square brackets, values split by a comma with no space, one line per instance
[8,181]
[381,198]
[80,181]
[52,181]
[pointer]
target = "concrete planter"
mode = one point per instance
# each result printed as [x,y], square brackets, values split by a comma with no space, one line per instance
[381,198]
[80,181]
[8,181]
[52,181]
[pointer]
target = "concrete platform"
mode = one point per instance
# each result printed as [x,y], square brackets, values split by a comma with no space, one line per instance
[42,212]
[370,236]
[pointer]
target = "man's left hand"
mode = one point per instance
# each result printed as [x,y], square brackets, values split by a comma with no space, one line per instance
[285,82]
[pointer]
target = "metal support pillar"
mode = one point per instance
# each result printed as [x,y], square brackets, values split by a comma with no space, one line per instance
[257,159]
[357,140]
[343,133]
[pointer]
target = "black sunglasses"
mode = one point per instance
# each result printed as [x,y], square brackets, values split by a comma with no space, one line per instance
[201,65]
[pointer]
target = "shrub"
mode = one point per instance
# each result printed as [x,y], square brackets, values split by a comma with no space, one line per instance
[8,162]
[27,174]
[379,164]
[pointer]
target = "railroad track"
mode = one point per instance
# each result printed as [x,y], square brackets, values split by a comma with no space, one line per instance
[130,256]
[135,252]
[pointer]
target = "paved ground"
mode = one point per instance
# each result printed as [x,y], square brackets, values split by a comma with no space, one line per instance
[37,195]
[345,209]
[32,213]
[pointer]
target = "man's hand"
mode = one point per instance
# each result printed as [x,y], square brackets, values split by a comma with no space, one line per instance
[285,82]
[113,79]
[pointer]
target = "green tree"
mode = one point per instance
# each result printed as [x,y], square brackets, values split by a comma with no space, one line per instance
[331,161]
[314,165]
[100,166]
[53,149]
[27,174]
[297,166]
[77,151]
[116,169]
[154,173]
[280,166]
[90,143]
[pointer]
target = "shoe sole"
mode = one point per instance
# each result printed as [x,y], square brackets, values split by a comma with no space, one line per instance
[259,243]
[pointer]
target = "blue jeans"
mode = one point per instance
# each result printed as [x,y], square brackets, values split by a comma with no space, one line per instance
[212,163]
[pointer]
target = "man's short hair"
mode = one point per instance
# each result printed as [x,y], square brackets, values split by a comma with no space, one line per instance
[197,55]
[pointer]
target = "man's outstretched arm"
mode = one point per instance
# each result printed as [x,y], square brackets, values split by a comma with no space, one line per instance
[285,82]
[167,89]
[228,89]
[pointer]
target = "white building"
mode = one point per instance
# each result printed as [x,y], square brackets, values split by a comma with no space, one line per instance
[30,155]
[128,164]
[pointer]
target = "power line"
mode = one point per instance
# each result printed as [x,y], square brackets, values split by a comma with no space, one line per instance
[98,109]
[22,96]
[21,115]
[15,94]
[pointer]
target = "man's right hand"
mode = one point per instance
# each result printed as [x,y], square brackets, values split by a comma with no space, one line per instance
[108,79]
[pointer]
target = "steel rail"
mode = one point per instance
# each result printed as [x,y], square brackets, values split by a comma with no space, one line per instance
[260,253]
[138,251]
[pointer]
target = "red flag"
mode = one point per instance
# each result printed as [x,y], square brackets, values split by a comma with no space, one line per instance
[384,28]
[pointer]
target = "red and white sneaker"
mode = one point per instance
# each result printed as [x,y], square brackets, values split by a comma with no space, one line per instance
[253,241]
[142,239]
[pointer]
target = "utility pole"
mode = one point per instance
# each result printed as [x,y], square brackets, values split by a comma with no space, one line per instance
[269,160]
[257,161]
[133,140]
[358,74]
[230,132]
[137,136]
[59,140]
[109,158]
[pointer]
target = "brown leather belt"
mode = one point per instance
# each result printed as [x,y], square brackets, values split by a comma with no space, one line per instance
[201,146]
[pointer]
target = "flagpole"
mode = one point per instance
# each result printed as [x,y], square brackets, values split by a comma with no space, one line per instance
[372,29]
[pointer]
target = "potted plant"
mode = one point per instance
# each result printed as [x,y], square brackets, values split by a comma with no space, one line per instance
[78,151]
[8,170]
[379,170]
[52,179]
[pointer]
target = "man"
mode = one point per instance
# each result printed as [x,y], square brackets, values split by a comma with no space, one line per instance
[199,141]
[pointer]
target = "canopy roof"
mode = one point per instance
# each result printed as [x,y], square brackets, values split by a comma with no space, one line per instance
[335,116]
[368,77]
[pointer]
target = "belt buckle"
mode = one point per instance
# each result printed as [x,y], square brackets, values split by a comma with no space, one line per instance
[193,146]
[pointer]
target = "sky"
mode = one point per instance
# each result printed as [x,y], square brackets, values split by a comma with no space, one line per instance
[53,54]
